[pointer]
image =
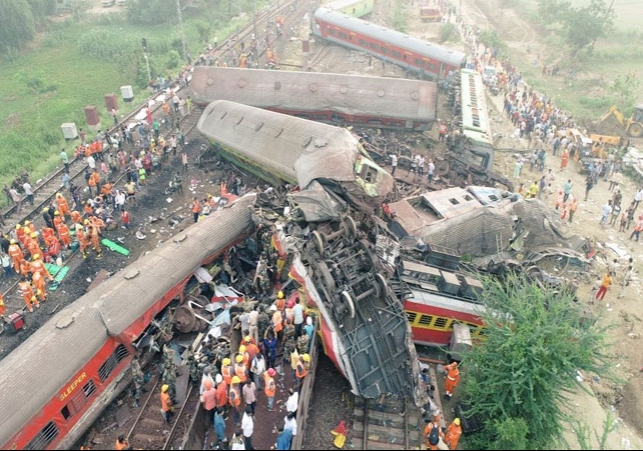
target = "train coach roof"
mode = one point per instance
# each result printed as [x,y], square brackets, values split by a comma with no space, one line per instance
[299,150]
[310,91]
[42,366]
[362,27]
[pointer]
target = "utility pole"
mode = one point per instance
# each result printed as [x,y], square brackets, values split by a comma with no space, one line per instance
[254,18]
[185,53]
[147,60]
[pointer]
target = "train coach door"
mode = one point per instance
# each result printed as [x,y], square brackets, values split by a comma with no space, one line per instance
[352,35]
[408,57]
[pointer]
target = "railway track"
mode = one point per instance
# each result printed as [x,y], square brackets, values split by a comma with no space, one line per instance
[386,425]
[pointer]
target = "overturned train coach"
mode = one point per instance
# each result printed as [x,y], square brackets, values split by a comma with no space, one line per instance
[337,99]
[286,149]
[58,381]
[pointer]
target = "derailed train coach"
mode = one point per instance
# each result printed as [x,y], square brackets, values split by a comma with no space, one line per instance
[337,99]
[286,149]
[59,380]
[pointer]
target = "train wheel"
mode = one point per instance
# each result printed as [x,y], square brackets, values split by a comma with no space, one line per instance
[350,227]
[348,300]
[380,283]
[318,239]
[199,324]
[326,277]
[184,319]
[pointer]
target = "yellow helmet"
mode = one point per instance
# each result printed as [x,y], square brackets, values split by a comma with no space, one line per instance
[27,223]
[56,213]
[457,421]
[306,358]
[236,380]
[86,221]
[12,242]
[44,210]
[58,194]
[225,362]
[33,235]
[280,295]
[248,339]
[36,256]
[165,388]
[18,226]
[242,349]
[239,359]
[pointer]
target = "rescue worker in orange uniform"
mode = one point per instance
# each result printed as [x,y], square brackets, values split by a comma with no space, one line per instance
[227,371]
[88,209]
[46,233]
[430,426]
[3,309]
[196,207]
[76,217]
[93,183]
[270,387]
[28,295]
[39,284]
[30,225]
[453,377]
[24,269]
[92,231]
[301,370]
[240,370]
[20,233]
[121,443]
[16,254]
[57,220]
[34,246]
[166,403]
[38,266]
[452,436]
[63,206]
[83,239]
[234,397]
[53,248]
[97,222]
[64,234]
[222,394]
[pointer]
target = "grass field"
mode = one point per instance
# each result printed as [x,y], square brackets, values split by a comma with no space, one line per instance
[74,65]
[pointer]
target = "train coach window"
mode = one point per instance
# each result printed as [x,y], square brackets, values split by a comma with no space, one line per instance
[411,316]
[425,320]
[441,323]
[65,412]
[397,54]
[108,366]
[343,35]
[89,388]
[44,437]
[374,46]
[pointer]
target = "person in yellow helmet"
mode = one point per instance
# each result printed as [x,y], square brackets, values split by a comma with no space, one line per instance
[227,371]
[453,433]
[166,403]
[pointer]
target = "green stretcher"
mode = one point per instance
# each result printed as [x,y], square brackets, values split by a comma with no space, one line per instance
[53,269]
[115,247]
[62,272]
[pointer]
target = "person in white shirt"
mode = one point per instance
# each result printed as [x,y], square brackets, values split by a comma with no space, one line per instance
[91,162]
[298,317]
[248,426]
[207,376]
[292,402]
[393,158]
[290,423]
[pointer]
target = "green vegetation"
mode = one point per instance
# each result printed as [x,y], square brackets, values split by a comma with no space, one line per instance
[536,341]
[399,17]
[74,63]
[449,32]
[581,26]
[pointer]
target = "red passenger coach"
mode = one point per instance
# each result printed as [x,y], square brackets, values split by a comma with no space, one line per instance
[427,59]
[57,382]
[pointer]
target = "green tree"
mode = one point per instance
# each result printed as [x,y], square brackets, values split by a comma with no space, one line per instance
[491,39]
[625,89]
[583,26]
[448,32]
[18,25]
[536,340]
[150,12]
[552,11]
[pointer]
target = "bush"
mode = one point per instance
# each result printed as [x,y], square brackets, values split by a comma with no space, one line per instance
[448,32]
[174,59]
[105,44]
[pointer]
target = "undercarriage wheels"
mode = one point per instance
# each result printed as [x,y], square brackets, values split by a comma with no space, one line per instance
[184,319]
[635,130]
[201,325]
[380,283]
[347,230]
[347,300]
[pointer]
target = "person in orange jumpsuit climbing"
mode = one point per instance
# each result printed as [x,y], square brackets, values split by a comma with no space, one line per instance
[453,377]
[452,436]
[63,206]
[65,235]
[27,294]
[16,254]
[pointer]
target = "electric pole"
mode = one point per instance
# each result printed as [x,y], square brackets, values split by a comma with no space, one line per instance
[185,53]
[147,60]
